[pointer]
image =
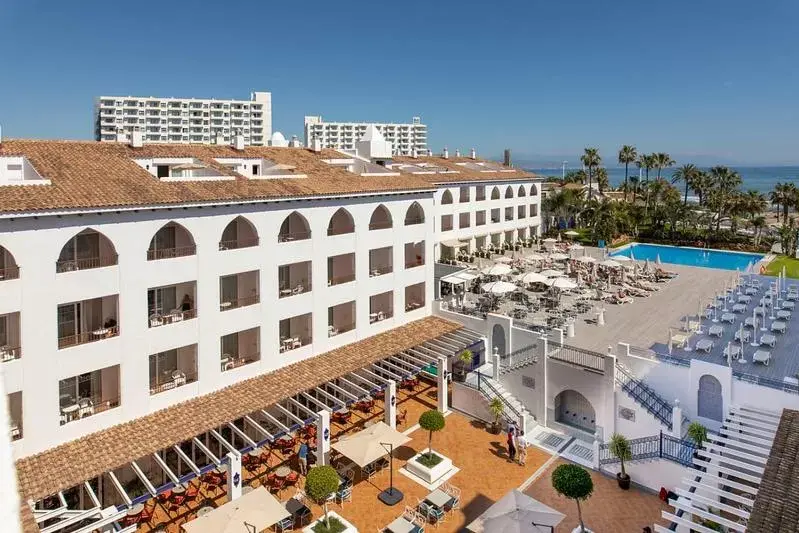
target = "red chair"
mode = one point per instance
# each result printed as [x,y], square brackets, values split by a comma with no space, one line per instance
[146,515]
[270,478]
[277,485]
[291,479]
[165,496]
[191,493]
[176,501]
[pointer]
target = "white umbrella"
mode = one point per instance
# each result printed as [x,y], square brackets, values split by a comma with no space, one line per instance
[621,258]
[552,273]
[558,239]
[558,256]
[632,255]
[585,259]
[564,284]
[577,246]
[610,263]
[534,257]
[533,277]
[257,509]
[515,513]
[503,259]
[499,287]
[549,240]
[571,233]
[497,270]
[366,446]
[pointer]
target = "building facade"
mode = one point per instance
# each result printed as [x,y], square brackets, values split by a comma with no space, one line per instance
[406,139]
[184,120]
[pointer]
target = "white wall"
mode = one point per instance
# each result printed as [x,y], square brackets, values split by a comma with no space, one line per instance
[653,474]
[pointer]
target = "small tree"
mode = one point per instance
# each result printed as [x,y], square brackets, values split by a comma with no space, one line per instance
[620,448]
[431,421]
[497,408]
[697,433]
[320,483]
[575,483]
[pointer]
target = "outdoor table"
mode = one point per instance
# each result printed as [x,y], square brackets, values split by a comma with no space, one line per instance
[101,332]
[783,314]
[221,469]
[738,308]
[762,356]
[180,489]
[715,330]
[728,317]
[225,305]
[70,410]
[704,345]
[285,438]
[136,510]
[202,511]
[744,298]
[439,498]
[738,336]
[788,305]
[778,325]
[296,507]
[769,340]
[282,471]
[400,525]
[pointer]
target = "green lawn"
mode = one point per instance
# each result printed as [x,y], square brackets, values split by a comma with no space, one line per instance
[791,266]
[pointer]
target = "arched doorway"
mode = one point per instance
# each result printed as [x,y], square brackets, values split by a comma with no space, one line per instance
[498,340]
[709,402]
[573,409]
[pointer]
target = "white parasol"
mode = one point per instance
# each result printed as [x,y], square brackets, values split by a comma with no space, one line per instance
[552,273]
[534,257]
[621,258]
[533,277]
[497,270]
[549,240]
[503,259]
[657,259]
[499,287]
[571,233]
[564,284]
[610,263]
[585,259]
[557,256]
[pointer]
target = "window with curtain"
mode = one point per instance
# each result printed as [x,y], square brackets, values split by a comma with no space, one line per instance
[161,300]
[228,289]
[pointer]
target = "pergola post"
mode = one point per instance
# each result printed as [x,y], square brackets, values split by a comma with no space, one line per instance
[442,384]
[234,478]
[676,419]
[322,438]
[390,401]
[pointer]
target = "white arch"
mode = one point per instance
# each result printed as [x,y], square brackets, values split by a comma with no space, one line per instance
[341,222]
[294,228]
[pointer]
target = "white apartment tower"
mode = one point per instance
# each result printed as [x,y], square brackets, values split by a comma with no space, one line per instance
[404,138]
[184,120]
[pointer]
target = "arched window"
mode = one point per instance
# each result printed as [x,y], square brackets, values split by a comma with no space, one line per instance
[498,340]
[446,198]
[521,192]
[340,223]
[381,218]
[495,193]
[533,190]
[414,215]
[509,192]
[8,266]
[710,403]
[573,409]
[172,240]
[88,249]
[294,228]
[240,233]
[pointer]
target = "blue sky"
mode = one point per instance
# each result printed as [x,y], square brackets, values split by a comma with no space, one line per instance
[687,77]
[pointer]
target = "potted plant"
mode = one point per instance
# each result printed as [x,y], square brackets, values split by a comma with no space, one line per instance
[320,483]
[464,360]
[575,483]
[697,433]
[431,421]
[497,408]
[427,465]
[620,449]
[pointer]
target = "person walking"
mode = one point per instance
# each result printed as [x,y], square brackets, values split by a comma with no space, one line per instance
[521,444]
[511,445]
[302,457]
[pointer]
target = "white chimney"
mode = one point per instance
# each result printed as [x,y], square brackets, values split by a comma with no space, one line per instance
[473,153]
[316,144]
[445,154]
[295,142]
[238,140]
[121,137]
[429,152]
[414,153]
[457,153]
[136,138]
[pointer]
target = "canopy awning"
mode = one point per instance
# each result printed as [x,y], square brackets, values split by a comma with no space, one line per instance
[255,511]
[459,278]
[367,446]
[454,243]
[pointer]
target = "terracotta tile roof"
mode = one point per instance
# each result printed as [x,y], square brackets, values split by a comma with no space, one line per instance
[74,462]
[86,174]
[776,505]
[464,174]
[26,518]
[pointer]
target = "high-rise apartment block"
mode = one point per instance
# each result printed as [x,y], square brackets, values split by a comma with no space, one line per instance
[405,139]
[184,120]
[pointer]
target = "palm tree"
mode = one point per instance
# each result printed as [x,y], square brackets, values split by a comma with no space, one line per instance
[785,195]
[687,174]
[590,159]
[754,203]
[628,154]
[662,160]
[725,183]
[702,184]
[758,223]
[602,181]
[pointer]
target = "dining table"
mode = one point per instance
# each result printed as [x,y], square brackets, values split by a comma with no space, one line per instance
[400,525]
[282,471]
[136,510]
[438,498]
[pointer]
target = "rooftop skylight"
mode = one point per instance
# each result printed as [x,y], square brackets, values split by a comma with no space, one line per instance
[18,171]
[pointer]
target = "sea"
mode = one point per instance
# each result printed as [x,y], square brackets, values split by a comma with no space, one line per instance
[761,179]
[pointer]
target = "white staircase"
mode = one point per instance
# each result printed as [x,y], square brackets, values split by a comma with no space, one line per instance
[490,388]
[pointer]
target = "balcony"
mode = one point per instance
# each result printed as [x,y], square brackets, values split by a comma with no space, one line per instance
[173,368]
[87,321]
[172,240]
[381,261]
[294,228]
[480,218]
[341,223]
[464,220]
[381,219]
[9,338]
[381,306]
[88,249]
[8,267]
[88,394]
[414,254]
[238,290]
[240,233]
[340,318]
[340,269]
[414,296]
[239,349]
[171,303]
[15,414]
[293,279]
[446,222]
[295,332]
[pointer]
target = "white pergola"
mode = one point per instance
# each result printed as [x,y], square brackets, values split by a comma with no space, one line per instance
[734,462]
[187,460]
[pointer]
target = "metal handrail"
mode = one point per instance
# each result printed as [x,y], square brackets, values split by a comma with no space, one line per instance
[71,265]
[169,253]
[496,394]
[661,446]
[577,356]
[645,396]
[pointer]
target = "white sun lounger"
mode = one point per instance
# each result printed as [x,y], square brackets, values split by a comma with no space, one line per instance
[761,356]
[728,317]
[747,335]
[716,330]
[732,350]
[779,326]
[768,340]
[704,345]
[738,308]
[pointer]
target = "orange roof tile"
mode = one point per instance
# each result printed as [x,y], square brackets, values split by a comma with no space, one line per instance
[464,174]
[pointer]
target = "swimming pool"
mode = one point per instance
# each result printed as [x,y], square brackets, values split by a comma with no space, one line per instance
[698,257]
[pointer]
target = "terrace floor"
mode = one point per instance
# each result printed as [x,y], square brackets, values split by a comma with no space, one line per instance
[609,509]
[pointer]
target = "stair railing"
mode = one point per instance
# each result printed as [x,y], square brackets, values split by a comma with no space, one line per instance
[661,446]
[649,399]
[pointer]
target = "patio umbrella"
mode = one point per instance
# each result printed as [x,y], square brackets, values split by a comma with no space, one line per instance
[558,256]
[577,246]
[257,509]
[647,267]
[558,239]
[534,257]
[366,446]
[549,240]
[610,263]
[499,287]
[503,259]
[517,513]
[568,268]
[571,233]
[632,255]
[585,259]
[497,270]
[729,353]
[621,258]
[564,284]
[552,273]
[533,277]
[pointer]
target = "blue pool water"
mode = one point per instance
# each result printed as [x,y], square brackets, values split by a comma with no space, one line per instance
[690,256]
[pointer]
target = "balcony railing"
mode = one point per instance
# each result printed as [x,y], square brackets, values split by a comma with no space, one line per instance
[380,315]
[332,231]
[292,342]
[413,221]
[9,353]
[86,407]
[414,263]
[332,331]
[88,336]
[239,302]
[229,362]
[285,291]
[157,319]
[9,273]
[16,430]
[296,236]
[338,280]
[172,380]
[412,306]
[375,271]
[85,264]
[579,357]
[169,253]
[236,244]
[379,225]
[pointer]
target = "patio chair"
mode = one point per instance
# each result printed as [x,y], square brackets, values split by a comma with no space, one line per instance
[146,515]
[277,485]
[287,524]
[370,470]
[303,517]
[344,495]
[291,480]
[85,407]
[430,513]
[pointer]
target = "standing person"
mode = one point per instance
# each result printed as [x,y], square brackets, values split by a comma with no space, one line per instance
[521,444]
[302,457]
[511,445]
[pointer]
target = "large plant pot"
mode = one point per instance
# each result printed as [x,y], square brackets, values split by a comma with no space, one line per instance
[623,481]
[429,475]
[495,428]
[350,527]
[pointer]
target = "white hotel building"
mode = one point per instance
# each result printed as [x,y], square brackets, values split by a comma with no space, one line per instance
[169,299]
[184,120]
[406,139]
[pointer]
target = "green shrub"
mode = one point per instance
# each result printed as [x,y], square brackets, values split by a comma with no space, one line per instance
[431,421]
[320,483]
[575,483]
